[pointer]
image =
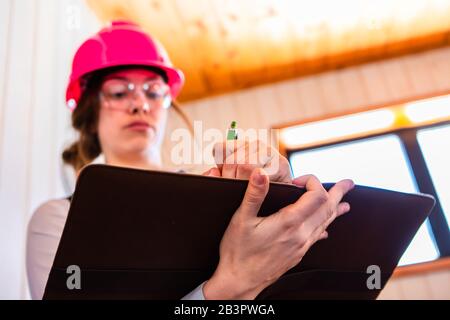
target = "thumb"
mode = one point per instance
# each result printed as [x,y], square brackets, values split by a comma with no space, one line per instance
[257,189]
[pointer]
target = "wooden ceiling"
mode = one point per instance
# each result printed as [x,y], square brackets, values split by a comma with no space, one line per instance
[227,45]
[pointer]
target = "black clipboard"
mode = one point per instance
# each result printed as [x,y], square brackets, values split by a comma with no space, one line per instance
[138,234]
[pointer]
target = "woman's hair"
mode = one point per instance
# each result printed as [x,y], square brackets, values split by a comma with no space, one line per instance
[85,119]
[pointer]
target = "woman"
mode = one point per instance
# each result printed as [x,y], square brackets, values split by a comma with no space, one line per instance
[121,87]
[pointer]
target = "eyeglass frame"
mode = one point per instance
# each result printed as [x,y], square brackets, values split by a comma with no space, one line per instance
[132,87]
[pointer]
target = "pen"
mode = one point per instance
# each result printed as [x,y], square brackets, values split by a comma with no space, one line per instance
[232,132]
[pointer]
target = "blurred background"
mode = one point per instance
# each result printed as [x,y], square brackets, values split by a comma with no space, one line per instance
[354,88]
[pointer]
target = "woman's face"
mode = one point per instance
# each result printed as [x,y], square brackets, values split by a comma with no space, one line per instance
[133,112]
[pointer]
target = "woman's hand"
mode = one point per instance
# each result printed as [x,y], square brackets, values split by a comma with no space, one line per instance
[256,251]
[237,159]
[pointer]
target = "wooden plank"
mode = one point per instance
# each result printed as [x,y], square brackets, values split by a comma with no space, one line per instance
[421,268]
[246,110]
[266,107]
[312,103]
[224,112]
[275,33]
[374,84]
[418,73]
[313,118]
[206,33]
[396,79]
[438,62]
[414,288]
[439,284]
[390,292]
[287,99]
[245,65]
[231,45]
[352,89]
[332,91]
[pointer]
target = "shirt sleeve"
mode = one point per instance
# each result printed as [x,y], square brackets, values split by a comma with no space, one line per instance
[43,235]
[196,294]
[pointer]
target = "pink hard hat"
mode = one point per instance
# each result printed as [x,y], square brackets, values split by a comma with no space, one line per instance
[120,44]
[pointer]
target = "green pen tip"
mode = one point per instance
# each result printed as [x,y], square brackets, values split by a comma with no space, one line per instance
[233,125]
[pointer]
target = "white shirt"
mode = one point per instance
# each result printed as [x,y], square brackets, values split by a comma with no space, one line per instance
[44,232]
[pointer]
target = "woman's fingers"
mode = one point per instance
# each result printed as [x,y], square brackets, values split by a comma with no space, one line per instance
[257,189]
[276,243]
[341,188]
[229,170]
[237,159]
[301,181]
[279,169]
[323,236]
[229,167]
[316,209]
[336,193]
[310,182]
[213,172]
[308,204]
[223,150]
[332,209]
[318,225]
[343,208]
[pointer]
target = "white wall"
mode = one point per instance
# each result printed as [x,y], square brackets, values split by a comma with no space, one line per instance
[37,41]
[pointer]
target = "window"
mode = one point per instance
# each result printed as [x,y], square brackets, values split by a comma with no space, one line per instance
[435,145]
[363,161]
[409,144]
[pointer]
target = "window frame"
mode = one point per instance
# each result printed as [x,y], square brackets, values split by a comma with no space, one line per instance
[439,228]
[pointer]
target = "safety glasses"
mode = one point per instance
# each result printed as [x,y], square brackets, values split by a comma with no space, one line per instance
[122,95]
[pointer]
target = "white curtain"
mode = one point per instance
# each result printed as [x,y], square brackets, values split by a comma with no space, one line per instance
[37,41]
